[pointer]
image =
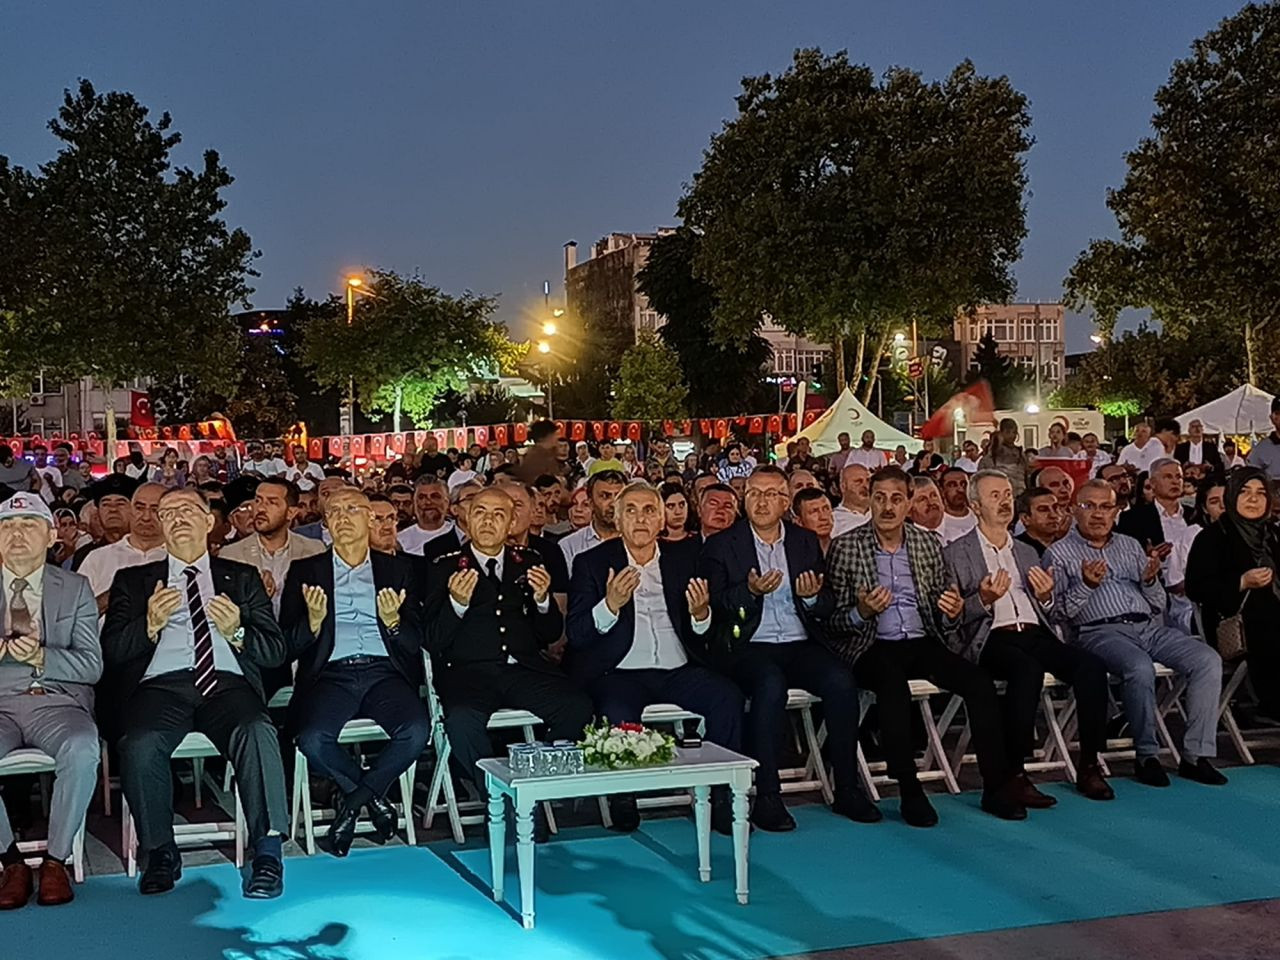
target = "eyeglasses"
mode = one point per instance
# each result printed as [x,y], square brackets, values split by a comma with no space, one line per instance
[768,494]
[1096,507]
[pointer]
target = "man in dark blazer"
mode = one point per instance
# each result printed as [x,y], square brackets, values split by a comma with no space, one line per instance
[491,615]
[1004,628]
[765,577]
[1196,449]
[352,617]
[638,620]
[185,642]
[1164,521]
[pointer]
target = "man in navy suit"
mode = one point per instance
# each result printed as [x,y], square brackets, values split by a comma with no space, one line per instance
[765,577]
[638,618]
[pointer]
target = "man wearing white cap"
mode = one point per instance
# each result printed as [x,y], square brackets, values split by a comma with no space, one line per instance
[49,662]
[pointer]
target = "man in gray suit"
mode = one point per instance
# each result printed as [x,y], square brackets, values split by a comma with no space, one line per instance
[1003,627]
[49,661]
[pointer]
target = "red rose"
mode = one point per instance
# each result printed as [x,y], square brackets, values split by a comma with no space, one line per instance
[631,727]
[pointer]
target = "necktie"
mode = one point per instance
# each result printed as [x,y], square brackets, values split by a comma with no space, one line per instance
[491,565]
[205,677]
[19,612]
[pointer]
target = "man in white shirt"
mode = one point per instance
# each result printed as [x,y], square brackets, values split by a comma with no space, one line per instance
[431,508]
[854,508]
[1145,450]
[867,455]
[143,543]
[957,518]
[602,490]
[968,459]
[304,473]
[260,463]
[637,612]
[1096,456]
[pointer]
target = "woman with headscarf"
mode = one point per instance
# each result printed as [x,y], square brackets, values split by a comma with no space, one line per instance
[1232,569]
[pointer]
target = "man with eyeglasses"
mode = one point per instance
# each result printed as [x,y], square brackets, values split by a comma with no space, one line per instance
[1107,590]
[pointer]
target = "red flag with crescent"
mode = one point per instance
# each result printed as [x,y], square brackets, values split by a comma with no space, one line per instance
[972,405]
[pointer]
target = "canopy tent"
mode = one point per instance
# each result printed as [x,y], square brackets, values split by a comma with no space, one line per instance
[1245,410]
[848,415]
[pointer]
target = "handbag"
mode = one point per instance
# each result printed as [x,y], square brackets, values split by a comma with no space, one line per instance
[1231,639]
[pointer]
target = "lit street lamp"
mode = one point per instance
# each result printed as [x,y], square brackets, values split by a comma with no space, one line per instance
[347,415]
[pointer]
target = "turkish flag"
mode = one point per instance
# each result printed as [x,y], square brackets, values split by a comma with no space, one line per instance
[140,412]
[973,405]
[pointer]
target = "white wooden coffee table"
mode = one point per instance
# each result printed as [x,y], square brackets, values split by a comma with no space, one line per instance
[698,768]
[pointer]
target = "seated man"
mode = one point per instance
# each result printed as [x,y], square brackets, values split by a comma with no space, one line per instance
[1108,589]
[812,511]
[492,614]
[353,620]
[49,661]
[638,617]
[185,643]
[765,578]
[1041,519]
[717,509]
[892,601]
[1004,628]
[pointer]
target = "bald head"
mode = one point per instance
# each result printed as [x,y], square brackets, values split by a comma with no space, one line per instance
[855,483]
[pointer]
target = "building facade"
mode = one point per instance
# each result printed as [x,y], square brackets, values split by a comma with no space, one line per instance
[1023,331]
[61,409]
[601,292]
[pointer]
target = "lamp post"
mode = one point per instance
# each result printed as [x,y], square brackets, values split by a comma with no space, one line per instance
[347,416]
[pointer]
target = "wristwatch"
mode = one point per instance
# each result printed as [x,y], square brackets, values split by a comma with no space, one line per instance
[238,636]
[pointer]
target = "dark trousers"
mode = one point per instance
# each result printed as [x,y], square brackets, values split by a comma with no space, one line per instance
[164,710]
[1021,658]
[886,669]
[764,671]
[622,695]
[367,688]
[471,694]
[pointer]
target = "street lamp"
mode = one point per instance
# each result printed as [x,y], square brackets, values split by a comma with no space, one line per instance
[348,415]
[549,329]
[1096,338]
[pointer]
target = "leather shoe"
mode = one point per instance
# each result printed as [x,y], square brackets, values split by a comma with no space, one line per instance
[266,882]
[1006,801]
[1202,771]
[55,885]
[16,886]
[385,819]
[624,813]
[164,868]
[857,806]
[343,830]
[1032,798]
[1092,784]
[1147,770]
[917,811]
[771,814]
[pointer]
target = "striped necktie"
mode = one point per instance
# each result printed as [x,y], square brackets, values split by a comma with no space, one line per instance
[205,678]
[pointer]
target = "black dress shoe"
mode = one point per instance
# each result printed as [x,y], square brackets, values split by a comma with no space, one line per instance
[164,868]
[857,806]
[770,814]
[1005,801]
[917,811]
[722,815]
[266,882]
[1092,784]
[1147,770]
[1202,771]
[1031,796]
[624,813]
[385,819]
[343,829]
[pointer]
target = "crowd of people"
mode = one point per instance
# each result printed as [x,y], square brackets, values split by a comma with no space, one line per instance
[584,583]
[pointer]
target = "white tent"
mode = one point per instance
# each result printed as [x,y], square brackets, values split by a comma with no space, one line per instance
[1245,410]
[848,415]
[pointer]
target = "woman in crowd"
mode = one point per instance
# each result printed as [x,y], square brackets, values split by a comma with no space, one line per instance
[169,473]
[633,468]
[1232,569]
[579,508]
[676,506]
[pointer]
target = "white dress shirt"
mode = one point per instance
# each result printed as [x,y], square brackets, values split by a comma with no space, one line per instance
[1174,524]
[656,643]
[1195,451]
[871,459]
[100,566]
[1015,607]
[306,478]
[413,539]
[846,519]
[1142,458]
[953,528]
[176,646]
[779,622]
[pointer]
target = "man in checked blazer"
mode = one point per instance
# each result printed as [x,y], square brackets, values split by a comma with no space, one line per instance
[894,605]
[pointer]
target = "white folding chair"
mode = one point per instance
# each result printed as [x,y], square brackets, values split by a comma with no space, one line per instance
[193,746]
[26,762]
[1168,689]
[1052,755]
[813,775]
[933,766]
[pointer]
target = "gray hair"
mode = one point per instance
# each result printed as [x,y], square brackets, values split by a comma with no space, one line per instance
[977,478]
[920,483]
[1095,484]
[1163,462]
[635,488]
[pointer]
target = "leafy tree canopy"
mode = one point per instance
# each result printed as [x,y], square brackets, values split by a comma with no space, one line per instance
[649,383]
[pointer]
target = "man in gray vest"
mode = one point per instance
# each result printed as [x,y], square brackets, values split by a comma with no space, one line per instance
[49,661]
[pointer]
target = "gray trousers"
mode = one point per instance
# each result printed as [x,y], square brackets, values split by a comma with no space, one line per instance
[1130,649]
[58,725]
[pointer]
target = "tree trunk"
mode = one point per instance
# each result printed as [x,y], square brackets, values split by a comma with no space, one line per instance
[395,413]
[837,350]
[859,358]
[109,429]
[1248,353]
[874,375]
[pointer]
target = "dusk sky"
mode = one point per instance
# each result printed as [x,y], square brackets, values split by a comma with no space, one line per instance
[469,141]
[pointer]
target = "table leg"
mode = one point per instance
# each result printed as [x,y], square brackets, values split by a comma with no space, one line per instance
[524,856]
[702,821]
[741,831]
[497,839]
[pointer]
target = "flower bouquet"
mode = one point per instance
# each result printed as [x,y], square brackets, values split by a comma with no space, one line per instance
[626,745]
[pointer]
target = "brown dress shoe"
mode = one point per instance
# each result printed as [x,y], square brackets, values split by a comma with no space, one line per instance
[55,885]
[1092,784]
[15,887]
[1032,798]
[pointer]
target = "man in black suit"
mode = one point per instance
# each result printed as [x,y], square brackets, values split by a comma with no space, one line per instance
[1196,449]
[491,615]
[765,577]
[353,620]
[185,642]
[1163,522]
[638,618]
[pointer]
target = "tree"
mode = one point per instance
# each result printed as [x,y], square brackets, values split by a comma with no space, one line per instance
[649,385]
[1199,204]
[114,263]
[722,377]
[1009,382]
[844,206]
[408,343]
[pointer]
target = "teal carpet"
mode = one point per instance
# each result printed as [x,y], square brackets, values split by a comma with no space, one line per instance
[830,884]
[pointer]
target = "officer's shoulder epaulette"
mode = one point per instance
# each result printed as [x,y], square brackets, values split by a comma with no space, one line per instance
[446,556]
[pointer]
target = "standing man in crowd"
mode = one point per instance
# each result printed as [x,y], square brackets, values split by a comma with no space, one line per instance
[540,458]
[1138,456]
[836,461]
[1197,450]
[1004,454]
[431,461]
[1265,454]
[867,455]
[304,474]
[602,489]
[185,642]
[49,661]
[273,547]
[854,508]
[1096,456]
[431,509]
